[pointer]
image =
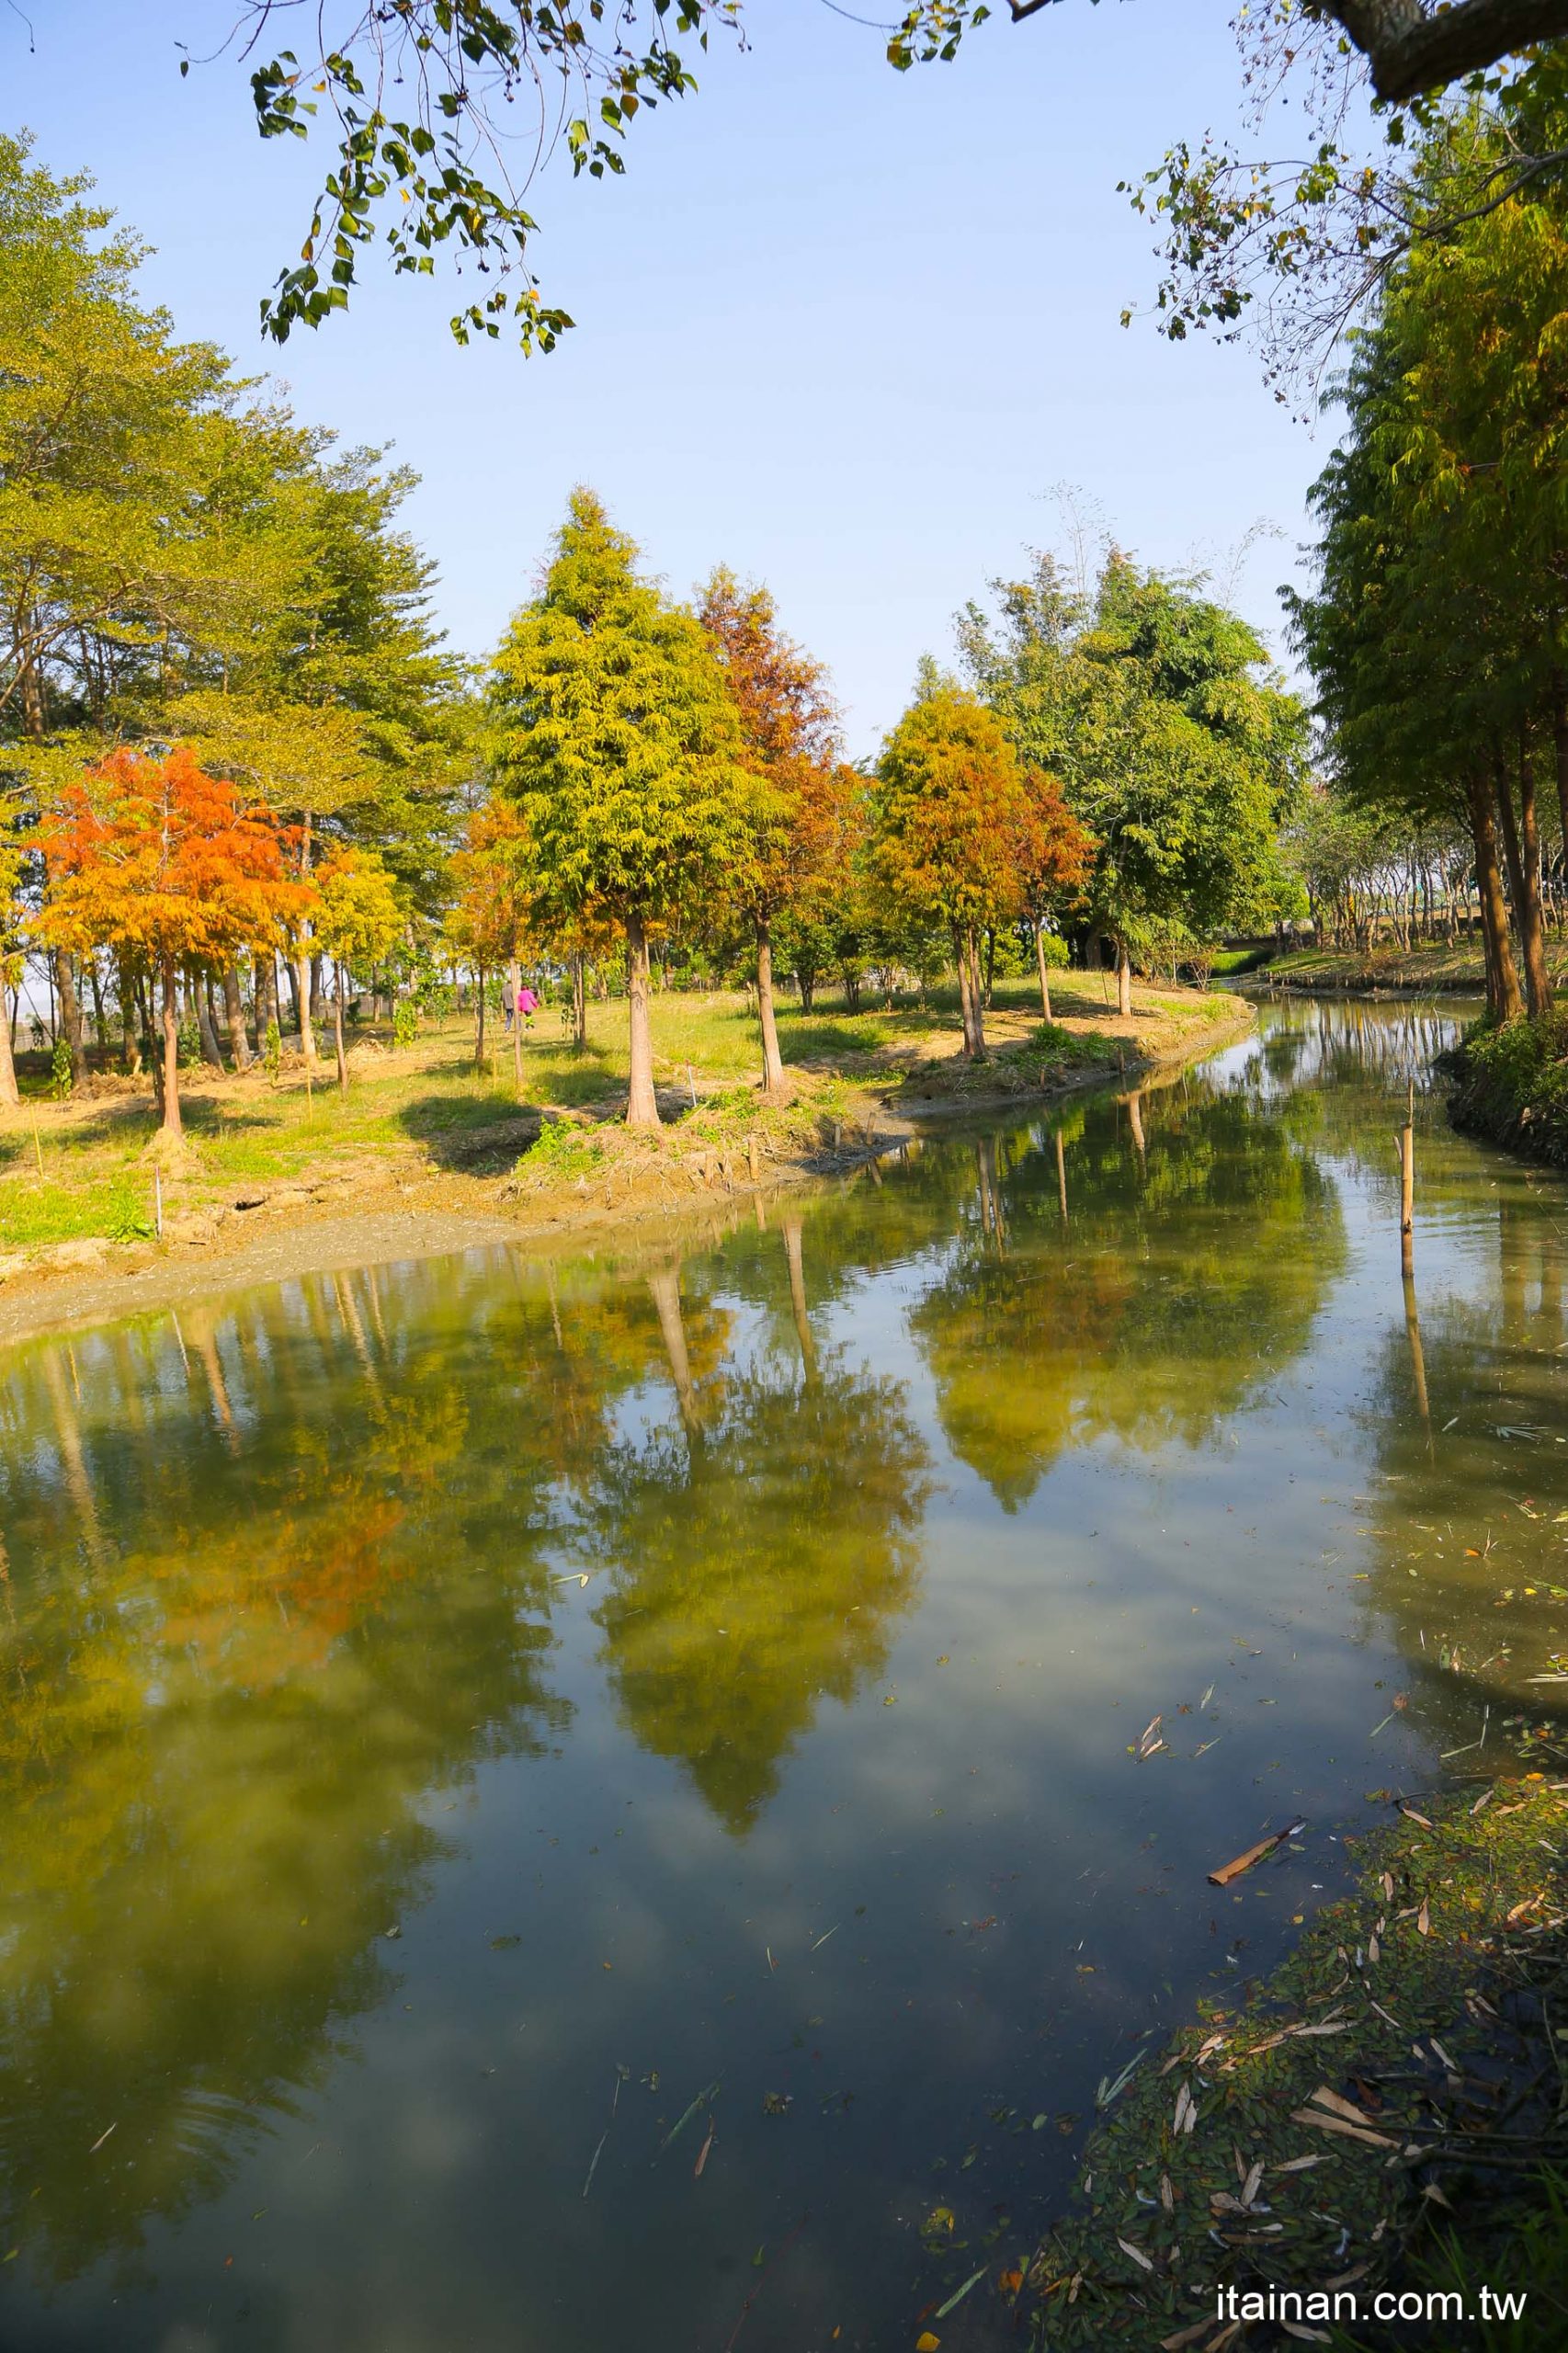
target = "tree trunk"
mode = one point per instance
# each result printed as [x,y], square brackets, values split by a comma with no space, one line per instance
[69,1011]
[169,1120]
[807,984]
[234,1015]
[967,950]
[337,1030]
[205,1031]
[851,989]
[579,1005]
[642,1104]
[1538,975]
[1560,746]
[317,1000]
[1502,979]
[1039,958]
[1530,933]
[300,975]
[990,965]
[265,996]
[1123,982]
[479,1023]
[515,982]
[9,1092]
[131,1043]
[772,1060]
[96,984]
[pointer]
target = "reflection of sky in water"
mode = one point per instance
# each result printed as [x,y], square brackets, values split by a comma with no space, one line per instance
[819,1787]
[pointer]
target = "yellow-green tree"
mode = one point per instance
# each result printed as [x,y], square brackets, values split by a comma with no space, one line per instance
[615,735]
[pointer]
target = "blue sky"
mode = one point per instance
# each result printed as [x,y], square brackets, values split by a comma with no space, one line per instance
[840,328]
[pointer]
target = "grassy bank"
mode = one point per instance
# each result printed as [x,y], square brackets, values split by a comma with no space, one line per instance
[421,1125]
[1511,1087]
[1388,2105]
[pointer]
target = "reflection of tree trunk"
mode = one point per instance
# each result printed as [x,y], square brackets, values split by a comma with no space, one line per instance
[642,1104]
[1503,997]
[1417,1359]
[772,1060]
[1135,1122]
[1040,959]
[1060,1176]
[343,1286]
[1511,1277]
[794,1255]
[212,1365]
[666,1289]
[72,1461]
[554,1304]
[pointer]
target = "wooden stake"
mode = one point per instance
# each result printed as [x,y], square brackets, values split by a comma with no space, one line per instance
[1408,1184]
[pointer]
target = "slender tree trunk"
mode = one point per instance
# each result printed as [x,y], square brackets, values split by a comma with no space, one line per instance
[1040,959]
[1502,979]
[337,1030]
[579,1005]
[990,966]
[205,1031]
[772,1060]
[1529,932]
[1123,982]
[851,988]
[234,1013]
[1538,975]
[318,997]
[130,1044]
[1560,748]
[806,984]
[302,970]
[9,1092]
[169,1104]
[265,995]
[515,982]
[95,983]
[967,948]
[642,1104]
[479,1023]
[69,1011]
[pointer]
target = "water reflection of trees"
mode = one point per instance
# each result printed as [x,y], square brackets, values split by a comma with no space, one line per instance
[1198,1244]
[244,1638]
[1465,1547]
[759,1550]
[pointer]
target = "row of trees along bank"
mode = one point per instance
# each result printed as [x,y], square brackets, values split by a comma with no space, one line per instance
[237,736]
[1437,628]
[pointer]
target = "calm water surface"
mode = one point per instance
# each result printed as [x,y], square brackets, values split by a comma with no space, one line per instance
[459,1715]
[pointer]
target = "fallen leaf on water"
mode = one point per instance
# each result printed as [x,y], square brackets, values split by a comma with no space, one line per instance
[1010,2283]
[923,2343]
[1136,2253]
[702,2152]
[960,2293]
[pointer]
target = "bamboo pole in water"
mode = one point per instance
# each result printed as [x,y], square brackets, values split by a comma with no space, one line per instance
[1407,1185]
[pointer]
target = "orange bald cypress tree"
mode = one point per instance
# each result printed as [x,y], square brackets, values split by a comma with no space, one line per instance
[155,858]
